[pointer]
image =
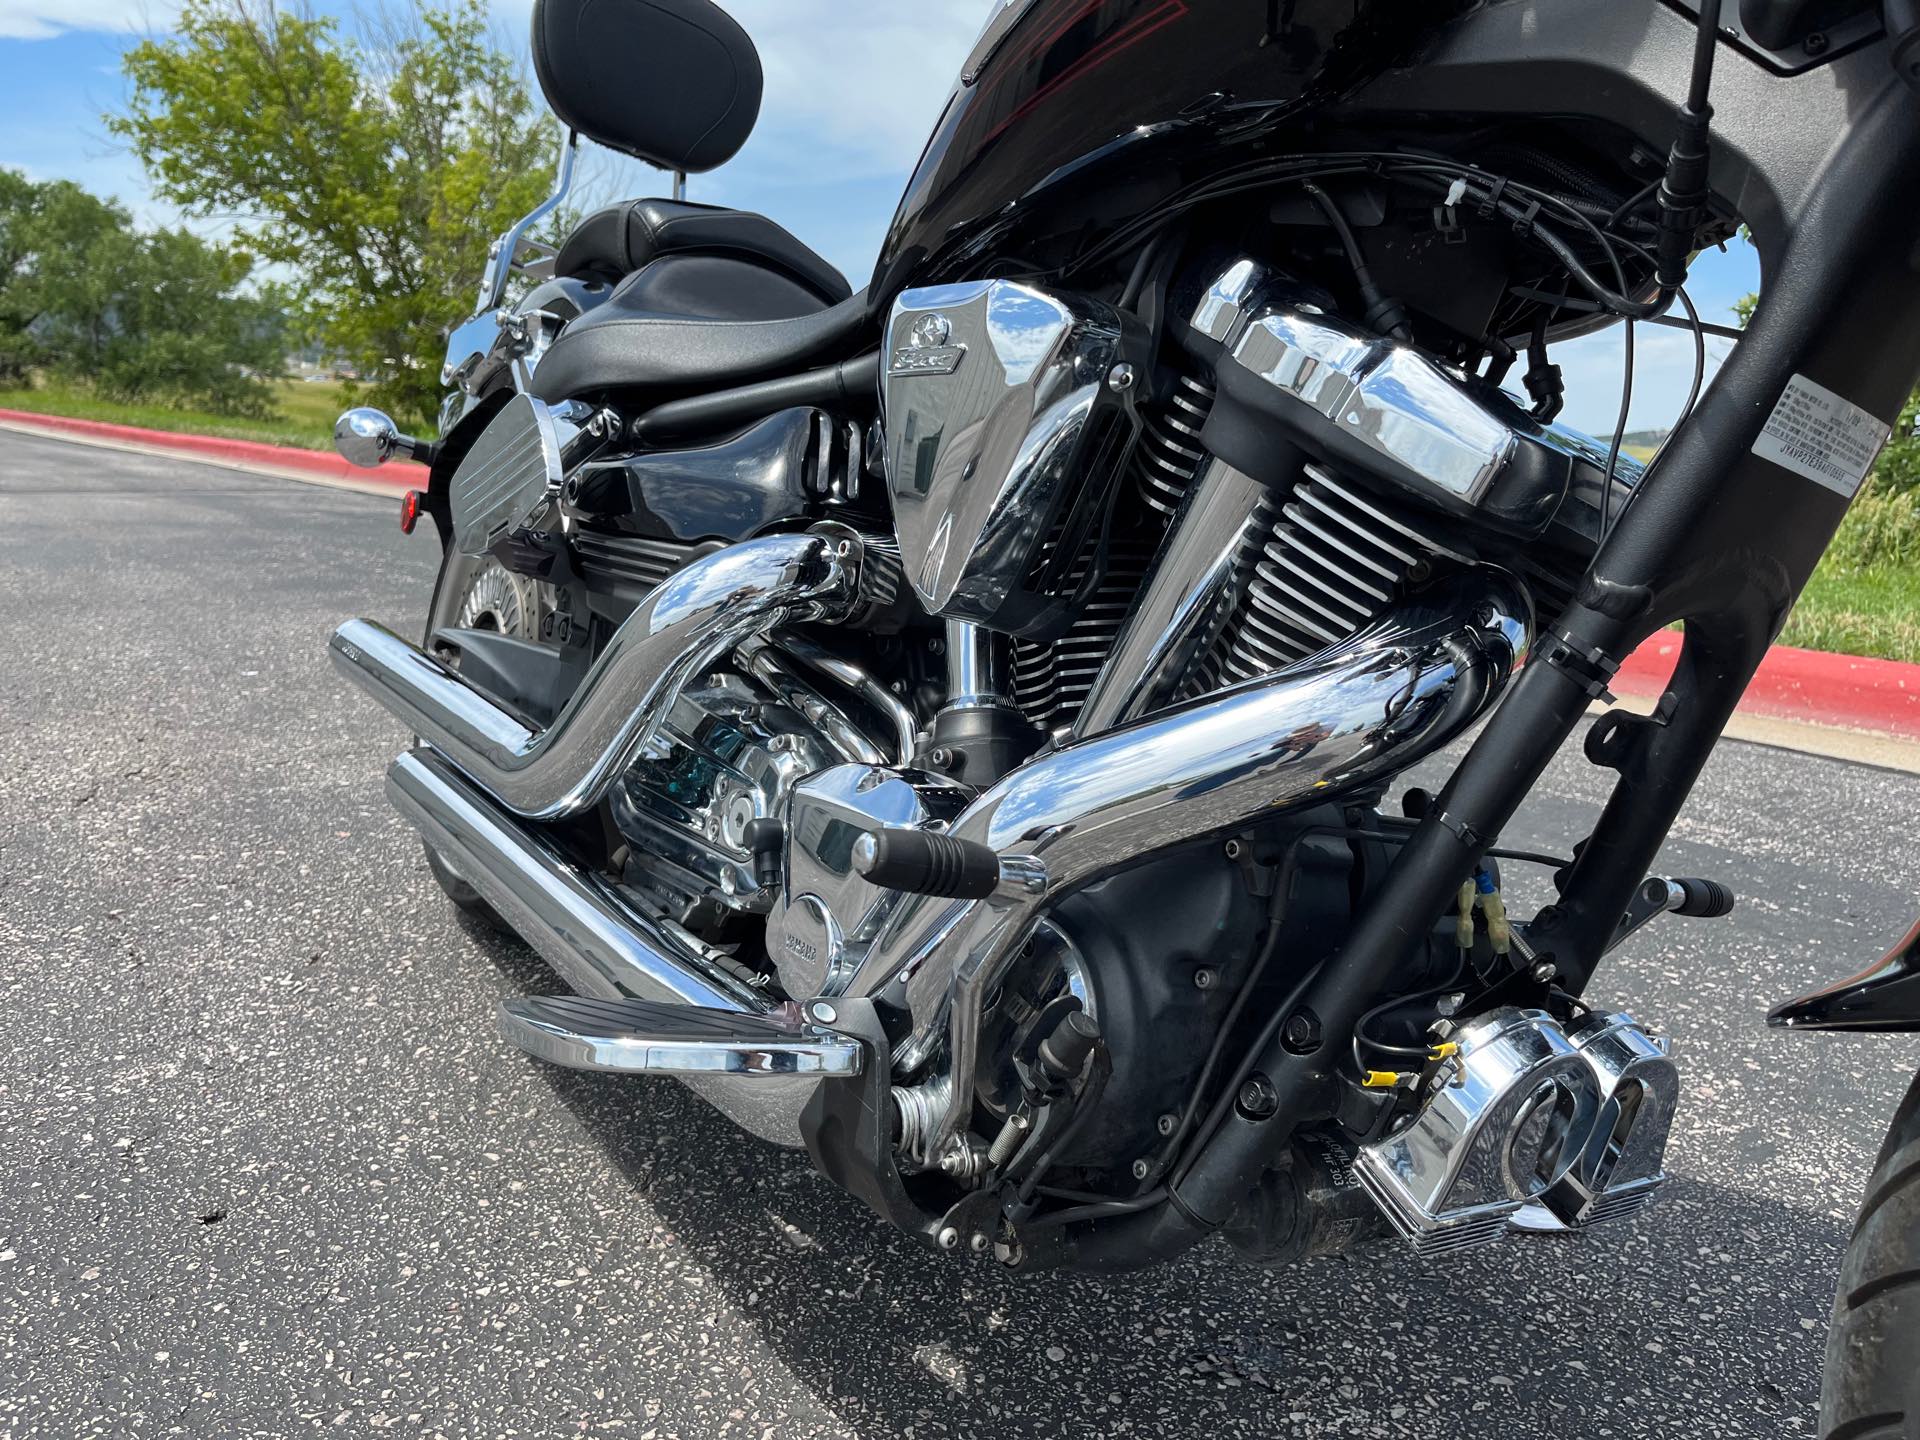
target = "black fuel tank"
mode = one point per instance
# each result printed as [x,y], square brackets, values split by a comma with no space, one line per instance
[1084,113]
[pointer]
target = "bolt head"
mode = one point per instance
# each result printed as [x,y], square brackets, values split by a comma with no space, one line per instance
[1166,1123]
[948,1238]
[980,1242]
[1257,1097]
[1545,971]
[1142,1169]
[1121,379]
[1234,849]
[1301,1033]
[1205,978]
[823,1013]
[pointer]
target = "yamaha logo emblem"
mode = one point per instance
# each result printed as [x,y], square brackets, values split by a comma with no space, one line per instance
[926,351]
[929,330]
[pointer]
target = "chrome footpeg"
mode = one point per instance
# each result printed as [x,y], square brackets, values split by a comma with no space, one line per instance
[645,1037]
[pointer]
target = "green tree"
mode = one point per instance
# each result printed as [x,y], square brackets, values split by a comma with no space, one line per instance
[46,233]
[375,169]
[163,316]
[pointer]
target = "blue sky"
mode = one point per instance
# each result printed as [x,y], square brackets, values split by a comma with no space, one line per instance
[853,86]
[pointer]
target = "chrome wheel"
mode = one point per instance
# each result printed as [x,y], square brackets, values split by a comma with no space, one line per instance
[497,599]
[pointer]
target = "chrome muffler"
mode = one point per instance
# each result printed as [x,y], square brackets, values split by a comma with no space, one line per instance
[687,622]
[1353,715]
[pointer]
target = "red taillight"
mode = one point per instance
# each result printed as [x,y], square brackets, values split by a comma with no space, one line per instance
[409,511]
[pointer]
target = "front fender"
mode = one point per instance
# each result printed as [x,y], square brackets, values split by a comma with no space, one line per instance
[1883,997]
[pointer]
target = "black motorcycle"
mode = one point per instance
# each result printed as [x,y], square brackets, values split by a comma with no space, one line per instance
[952,725]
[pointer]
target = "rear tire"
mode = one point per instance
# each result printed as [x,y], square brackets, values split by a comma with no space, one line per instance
[479,593]
[1872,1385]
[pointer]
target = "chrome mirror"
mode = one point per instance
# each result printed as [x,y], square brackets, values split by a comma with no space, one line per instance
[368,438]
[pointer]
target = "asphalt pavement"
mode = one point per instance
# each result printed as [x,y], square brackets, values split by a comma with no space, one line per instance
[266,1169]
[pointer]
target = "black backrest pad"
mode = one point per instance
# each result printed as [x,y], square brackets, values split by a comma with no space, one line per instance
[674,82]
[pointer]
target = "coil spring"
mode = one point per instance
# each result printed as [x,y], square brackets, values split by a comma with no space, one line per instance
[1330,559]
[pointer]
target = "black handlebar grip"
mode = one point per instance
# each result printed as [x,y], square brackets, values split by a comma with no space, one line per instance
[923,863]
[1704,899]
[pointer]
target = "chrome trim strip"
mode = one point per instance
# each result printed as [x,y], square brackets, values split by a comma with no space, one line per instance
[1000,24]
[599,944]
[691,619]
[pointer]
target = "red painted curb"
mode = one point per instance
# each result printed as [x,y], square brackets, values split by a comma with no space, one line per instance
[1805,685]
[400,475]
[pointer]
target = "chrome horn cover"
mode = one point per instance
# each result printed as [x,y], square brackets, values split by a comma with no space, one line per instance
[1502,1129]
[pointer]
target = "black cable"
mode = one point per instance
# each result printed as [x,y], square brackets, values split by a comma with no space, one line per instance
[1639,198]
[1269,946]
[1098,1211]
[1670,322]
[1382,314]
[1619,435]
[1422,1052]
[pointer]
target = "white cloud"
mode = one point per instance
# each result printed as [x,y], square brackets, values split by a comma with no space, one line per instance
[1593,368]
[42,19]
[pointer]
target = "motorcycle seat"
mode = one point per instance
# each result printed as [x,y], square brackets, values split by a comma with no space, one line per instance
[613,243]
[690,322]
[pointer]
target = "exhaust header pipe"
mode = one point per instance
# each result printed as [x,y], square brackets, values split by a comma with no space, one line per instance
[1351,716]
[687,622]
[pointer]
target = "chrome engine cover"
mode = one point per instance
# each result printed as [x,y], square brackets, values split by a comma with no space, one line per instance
[828,913]
[1523,1115]
[1005,406]
[729,750]
[510,479]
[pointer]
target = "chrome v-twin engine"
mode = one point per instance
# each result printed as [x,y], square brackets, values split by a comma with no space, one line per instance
[1162,767]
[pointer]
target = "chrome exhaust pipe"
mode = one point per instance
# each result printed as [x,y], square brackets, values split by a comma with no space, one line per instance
[685,624]
[603,947]
[600,945]
[1351,716]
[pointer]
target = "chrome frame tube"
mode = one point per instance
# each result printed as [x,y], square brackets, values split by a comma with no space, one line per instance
[1196,578]
[685,624]
[1351,716]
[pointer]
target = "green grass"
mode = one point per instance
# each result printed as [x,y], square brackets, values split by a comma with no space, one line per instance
[1872,612]
[306,413]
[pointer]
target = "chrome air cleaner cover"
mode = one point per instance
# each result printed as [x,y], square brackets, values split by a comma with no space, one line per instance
[1006,407]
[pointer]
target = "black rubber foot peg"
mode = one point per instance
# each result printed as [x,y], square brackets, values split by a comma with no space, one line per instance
[1705,899]
[923,863]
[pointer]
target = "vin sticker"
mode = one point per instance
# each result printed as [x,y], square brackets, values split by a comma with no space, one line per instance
[1815,433]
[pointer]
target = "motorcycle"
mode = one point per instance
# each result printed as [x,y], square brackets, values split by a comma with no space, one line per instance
[954,727]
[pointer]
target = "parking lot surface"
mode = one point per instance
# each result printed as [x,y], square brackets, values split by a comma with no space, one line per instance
[266,1169]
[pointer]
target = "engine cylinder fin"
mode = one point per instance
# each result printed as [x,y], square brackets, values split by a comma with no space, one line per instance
[632,559]
[1052,678]
[1326,560]
[1170,454]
